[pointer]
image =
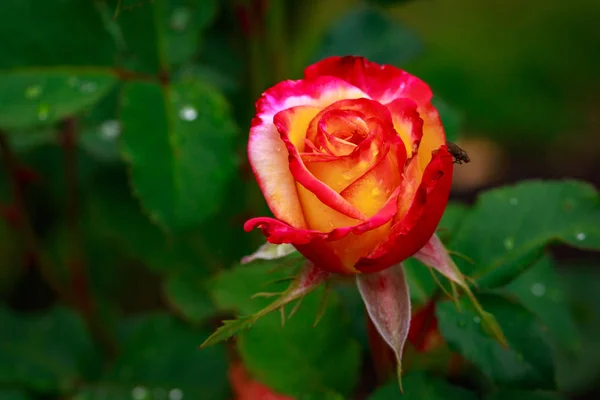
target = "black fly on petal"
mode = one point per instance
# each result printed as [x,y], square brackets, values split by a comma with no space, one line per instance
[459,154]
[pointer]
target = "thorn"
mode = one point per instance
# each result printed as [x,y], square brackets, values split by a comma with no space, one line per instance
[278,280]
[296,307]
[265,294]
[323,304]
[461,255]
[437,281]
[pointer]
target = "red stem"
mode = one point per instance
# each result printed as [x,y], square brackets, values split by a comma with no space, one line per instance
[384,360]
[79,286]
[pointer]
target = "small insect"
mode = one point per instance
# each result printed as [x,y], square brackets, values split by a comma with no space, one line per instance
[459,154]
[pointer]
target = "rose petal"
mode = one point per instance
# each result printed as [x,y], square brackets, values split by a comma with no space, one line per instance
[373,189]
[407,123]
[383,83]
[435,255]
[266,152]
[387,301]
[414,229]
[386,83]
[338,250]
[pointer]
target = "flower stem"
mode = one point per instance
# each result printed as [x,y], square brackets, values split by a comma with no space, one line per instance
[79,289]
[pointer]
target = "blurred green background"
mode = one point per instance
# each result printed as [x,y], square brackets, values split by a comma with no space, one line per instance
[125,183]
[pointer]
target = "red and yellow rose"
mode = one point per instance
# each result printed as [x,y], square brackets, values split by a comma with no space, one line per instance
[353,163]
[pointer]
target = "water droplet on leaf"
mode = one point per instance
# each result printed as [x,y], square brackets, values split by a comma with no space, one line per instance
[110,129]
[180,19]
[175,394]
[477,319]
[509,243]
[88,87]
[188,113]
[43,111]
[538,289]
[140,393]
[33,92]
[580,236]
[513,201]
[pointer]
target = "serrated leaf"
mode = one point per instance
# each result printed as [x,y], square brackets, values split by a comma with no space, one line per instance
[295,358]
[527,363]
[160,34]
[366,32]
[36,355]
[32,97]
[181,174]
[419,386]
[541,291]
[508,228]
[186,292]
[228,329]
[158,351]
[67,32]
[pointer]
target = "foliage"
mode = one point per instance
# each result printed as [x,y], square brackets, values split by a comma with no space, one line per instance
[125,186]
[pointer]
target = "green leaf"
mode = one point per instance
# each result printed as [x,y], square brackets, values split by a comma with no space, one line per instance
[507,394]
[181,174]
[451,118]
[53,32]
[541,291]
[527,363]
[419,386]
[369,33]
[160,34]
[13,395]
[451,220]
[298,357]
[32,97]
[101,128]
[159,351]
[36,355]
[187,294]
[508,228]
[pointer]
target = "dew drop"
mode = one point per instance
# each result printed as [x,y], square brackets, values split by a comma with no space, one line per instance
[477,319]
[513,201]
[180,19]
[375,192]
[188,113]
[43,111]
[509,243]
[538,289]
[140,393]
[88,87]
[175,394]
[110,130]
[580,236]
[33,91]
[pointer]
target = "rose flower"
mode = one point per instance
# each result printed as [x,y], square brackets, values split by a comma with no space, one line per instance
[352,161]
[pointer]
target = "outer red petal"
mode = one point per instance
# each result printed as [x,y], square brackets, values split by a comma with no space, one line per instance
[383,83]
[267,153]
[414,230]
[318,246]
